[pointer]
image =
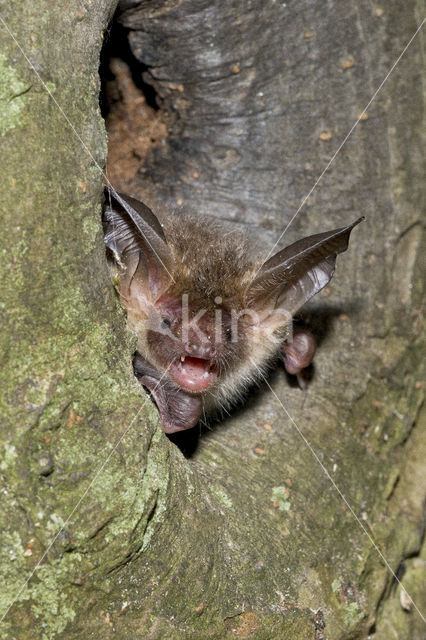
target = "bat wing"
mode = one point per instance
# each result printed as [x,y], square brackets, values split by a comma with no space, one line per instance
[293,275]
[136,239]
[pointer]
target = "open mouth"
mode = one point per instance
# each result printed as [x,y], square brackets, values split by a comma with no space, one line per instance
[193,374]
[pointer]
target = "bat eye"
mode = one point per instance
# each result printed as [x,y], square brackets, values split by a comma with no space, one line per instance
[166,323]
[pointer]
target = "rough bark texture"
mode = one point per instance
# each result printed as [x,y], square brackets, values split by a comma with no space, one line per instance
[248,538]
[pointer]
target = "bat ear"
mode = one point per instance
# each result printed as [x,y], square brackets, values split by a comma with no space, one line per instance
[293,275]
[138,244]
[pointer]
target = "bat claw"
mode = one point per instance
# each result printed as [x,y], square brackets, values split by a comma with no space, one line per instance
[303,385]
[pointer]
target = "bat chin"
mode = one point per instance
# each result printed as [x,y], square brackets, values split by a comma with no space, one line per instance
[193,375]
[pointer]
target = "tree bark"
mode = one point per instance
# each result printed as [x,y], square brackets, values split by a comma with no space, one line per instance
[277,526]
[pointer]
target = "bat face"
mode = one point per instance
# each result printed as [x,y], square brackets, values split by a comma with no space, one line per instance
[208,314]
[195,342]
[188,343]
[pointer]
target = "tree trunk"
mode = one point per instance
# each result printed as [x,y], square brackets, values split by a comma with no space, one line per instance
[276,526]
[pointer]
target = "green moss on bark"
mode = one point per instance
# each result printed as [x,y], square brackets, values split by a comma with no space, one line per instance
[249,538]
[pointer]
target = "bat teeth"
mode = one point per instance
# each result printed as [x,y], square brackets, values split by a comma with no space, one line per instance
[182,358]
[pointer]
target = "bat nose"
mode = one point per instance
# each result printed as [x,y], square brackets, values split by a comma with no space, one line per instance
[200,350]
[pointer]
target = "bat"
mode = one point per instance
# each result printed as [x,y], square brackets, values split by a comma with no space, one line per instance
[209,313]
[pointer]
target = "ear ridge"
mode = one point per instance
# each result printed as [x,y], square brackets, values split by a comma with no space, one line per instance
[293,275]
[135,236]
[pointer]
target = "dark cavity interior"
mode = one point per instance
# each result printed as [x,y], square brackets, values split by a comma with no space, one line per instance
[131,108]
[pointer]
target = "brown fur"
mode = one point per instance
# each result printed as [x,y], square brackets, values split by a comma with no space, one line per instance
[212,258]
[161,258]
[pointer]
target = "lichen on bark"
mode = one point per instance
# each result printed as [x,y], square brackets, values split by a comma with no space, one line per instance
[107,530]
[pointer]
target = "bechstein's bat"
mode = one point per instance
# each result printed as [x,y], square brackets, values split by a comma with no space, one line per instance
[208,313]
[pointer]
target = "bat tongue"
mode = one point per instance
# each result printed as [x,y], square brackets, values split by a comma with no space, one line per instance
[195,374]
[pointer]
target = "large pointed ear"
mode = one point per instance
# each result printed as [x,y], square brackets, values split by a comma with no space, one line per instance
[138,245]
[293,275]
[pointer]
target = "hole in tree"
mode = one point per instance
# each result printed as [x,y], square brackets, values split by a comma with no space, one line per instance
[130,106]
[116,46]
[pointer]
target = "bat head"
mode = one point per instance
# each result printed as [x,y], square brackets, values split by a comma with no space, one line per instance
[202,311]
